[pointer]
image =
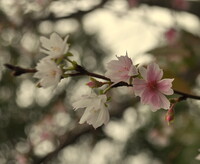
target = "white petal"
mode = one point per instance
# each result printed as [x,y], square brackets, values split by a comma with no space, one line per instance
[143,72]
[102,117]
[86,115]
[46,43]
[133,71]
[56,39]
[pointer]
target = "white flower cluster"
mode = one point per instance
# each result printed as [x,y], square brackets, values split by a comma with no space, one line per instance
[49,74]
[48,71]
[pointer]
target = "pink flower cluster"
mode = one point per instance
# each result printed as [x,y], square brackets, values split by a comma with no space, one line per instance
[151,88]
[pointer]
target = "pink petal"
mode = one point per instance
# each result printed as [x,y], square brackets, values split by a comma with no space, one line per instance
[139,85]
[147,95]
[165,85]
[154,73]
[160,101]
[125,60]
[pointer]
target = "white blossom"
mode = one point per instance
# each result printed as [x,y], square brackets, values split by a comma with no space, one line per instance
[55,47]
[48,73]
[96,112]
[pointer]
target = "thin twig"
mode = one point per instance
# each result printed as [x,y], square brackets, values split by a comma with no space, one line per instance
[17,71]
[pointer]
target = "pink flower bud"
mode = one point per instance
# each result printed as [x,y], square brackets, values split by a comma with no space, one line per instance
[180,4]
[169,117]
[171,36]
[132,3]
[90,84]
[94,83]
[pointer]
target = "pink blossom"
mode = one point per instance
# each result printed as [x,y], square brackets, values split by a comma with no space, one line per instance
[171,35]
[151,88]
[121,69]
[132,3]
[180,4]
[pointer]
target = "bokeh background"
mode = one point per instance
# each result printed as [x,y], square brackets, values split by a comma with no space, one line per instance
[39,125]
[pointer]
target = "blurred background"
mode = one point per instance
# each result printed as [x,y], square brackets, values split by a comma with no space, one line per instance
[39,125]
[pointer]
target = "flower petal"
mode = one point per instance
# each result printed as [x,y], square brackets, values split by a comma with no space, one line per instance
[45,43]
[56,39]
[139,85]
[146,96]
[154,73]
[102,118]
[132,71]
[86,115]
[165,85]
[143,72]
[160,101]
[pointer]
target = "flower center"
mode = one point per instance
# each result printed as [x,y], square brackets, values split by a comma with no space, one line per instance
[152,85]
[53,73]
[56,49]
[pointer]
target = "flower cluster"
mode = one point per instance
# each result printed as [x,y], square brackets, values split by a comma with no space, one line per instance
[48,71]
[146,82]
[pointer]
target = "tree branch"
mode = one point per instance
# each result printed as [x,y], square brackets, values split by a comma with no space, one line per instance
[17,71]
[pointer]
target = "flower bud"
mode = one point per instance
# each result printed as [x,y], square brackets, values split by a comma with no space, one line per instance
[169,117]
[94,83]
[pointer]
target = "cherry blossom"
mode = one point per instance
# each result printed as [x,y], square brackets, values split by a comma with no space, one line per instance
[132,3]
[121,69]
[171,36]
[55,47]
[180,4]
[48,73]
[96,112]
[151,88]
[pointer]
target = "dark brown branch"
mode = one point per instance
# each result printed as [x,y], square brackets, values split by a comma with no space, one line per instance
[186,95]
[17,71]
